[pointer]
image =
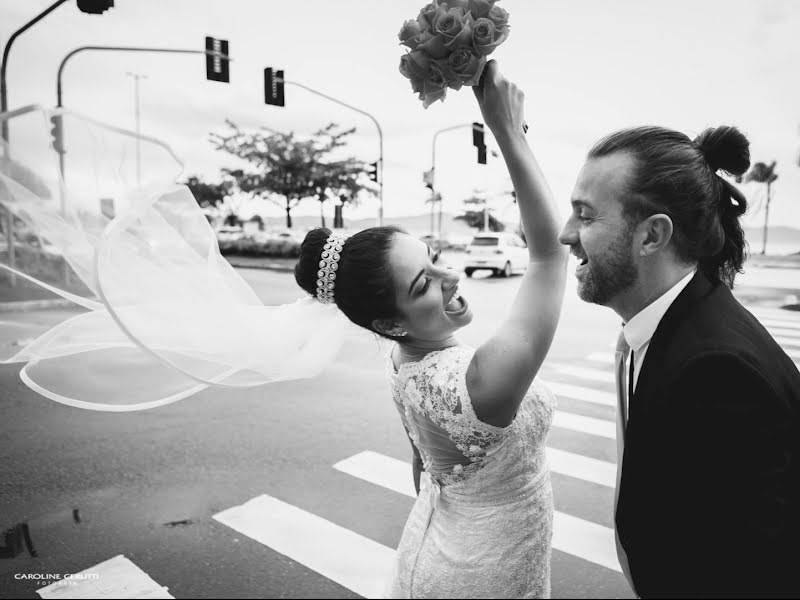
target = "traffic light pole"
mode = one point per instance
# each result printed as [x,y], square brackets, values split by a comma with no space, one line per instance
[363,112]
[9,225]
[4,64]
[433,180]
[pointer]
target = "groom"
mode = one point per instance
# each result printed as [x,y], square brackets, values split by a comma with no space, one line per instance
[709,404]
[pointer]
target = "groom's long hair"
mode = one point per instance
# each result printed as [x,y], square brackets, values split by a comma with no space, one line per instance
[677,176]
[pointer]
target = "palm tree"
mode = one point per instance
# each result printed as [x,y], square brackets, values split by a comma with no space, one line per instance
[762,173]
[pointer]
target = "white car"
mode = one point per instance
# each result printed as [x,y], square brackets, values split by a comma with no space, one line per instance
[502,253]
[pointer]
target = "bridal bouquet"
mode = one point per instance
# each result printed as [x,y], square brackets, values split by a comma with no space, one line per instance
[448,44]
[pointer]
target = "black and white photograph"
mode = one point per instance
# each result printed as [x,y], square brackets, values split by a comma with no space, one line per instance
[399,299]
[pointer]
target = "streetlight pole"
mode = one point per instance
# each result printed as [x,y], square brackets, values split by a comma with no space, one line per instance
[363,112]
[433,179]
[136,78]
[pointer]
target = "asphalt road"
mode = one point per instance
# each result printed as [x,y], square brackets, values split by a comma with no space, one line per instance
[286,491]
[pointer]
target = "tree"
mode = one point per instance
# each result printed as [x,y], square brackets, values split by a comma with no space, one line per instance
[282,168]
[208,194]
[480,219]
[762,173]
[343,179]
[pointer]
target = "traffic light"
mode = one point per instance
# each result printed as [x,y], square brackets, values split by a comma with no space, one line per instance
[217,60]
[373,172]
[57,133]
[273,87]
[95,7]
[478,142]
[427,179]
[477,135]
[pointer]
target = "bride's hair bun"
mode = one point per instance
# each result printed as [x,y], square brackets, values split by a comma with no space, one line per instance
[725,148]
[364,289]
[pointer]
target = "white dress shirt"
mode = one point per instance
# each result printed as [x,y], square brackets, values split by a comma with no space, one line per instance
[640,329]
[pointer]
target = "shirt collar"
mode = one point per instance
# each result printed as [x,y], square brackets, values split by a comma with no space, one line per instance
[640,329]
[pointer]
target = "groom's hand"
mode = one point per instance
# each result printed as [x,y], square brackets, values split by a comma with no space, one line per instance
[501,102]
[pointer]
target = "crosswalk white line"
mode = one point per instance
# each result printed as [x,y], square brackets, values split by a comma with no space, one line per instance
[793,353]
[791,333]
[351,560]
[578,537]
[116,577]
[602,357]
[582,467]
[603,376]
[582,393]
[784,341]
[590,425]
[574,465]
[780,323]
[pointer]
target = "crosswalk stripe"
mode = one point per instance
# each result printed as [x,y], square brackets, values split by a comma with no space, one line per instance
[603,376]
[784,341]
[780,323]
[351,560]
[116,577]
[578,537]
[582,467]
[602,357]
[590,425]
[792,333]
[574,465]
[582,393]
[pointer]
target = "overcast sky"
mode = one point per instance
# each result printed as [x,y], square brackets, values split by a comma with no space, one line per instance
[587,67]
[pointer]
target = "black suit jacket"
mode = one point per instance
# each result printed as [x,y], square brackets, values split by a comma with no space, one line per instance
[708,501]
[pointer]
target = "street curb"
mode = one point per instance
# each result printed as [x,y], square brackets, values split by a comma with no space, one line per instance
[28,305]
[264,266]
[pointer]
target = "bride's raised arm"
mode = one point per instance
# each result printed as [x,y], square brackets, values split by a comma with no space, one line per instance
[504,367]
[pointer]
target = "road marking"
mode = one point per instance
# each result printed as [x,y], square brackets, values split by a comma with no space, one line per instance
[351,560]
[780,323]
[584,539]
[582,467]
[602,357]
[388,474]
[582,393]
[116,577]
[784,341]
[590,425]
[603,376]
[792,333]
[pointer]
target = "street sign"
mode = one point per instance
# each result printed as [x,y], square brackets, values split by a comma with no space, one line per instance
[273,87]
[217,60]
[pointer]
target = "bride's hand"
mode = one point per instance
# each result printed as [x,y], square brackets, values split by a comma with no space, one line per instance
[501,102]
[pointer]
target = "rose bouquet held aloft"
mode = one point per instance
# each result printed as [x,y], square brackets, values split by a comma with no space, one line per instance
[449,42]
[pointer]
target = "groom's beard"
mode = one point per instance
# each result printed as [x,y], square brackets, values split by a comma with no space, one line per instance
[611,273]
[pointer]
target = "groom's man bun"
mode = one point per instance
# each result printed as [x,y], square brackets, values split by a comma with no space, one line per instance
[363,290]
[678,177]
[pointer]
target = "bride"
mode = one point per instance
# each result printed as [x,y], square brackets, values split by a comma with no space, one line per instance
[482,523]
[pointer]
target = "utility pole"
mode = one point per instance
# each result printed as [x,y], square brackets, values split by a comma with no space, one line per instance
[136,78]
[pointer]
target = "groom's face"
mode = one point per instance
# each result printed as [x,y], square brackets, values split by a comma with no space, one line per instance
[597,232]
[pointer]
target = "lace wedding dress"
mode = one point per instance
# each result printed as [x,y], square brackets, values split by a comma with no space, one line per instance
[482,524]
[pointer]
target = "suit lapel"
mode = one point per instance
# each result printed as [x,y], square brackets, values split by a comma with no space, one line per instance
[698,288]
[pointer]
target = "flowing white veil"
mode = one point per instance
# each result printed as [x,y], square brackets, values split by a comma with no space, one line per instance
[167,315]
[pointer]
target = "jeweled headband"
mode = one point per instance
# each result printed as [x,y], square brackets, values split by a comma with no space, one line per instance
[328,265]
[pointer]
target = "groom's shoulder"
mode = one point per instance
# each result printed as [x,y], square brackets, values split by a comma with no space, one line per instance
[719,334]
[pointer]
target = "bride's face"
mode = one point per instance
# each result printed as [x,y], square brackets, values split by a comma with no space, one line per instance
[426,289]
